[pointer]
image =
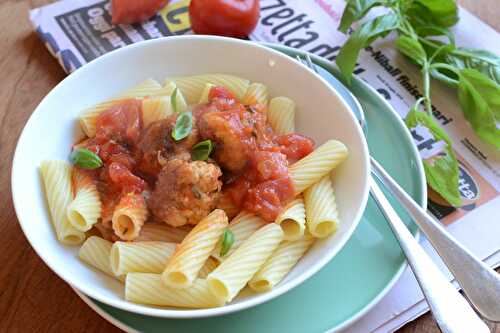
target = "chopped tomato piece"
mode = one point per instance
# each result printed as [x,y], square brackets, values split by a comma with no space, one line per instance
[268,198]
[121,122]
[220,92]
[295,146]
[124,179]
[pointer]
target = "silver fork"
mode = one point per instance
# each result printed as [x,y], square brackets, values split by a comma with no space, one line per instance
[481,283]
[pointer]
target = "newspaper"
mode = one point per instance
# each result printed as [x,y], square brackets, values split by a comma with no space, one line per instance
[77,31]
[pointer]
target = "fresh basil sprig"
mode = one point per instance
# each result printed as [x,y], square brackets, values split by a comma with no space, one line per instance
[441,170]
[227,241]
[202,150]
[474,73]
[183,126]
[85,159]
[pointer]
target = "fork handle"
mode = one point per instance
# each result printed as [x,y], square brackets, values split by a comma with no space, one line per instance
[480,282]
[451,311]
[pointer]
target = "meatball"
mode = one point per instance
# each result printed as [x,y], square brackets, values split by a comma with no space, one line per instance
[185,192]
[231,137]
[157,145]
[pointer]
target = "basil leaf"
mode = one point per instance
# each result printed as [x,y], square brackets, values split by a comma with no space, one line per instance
[363,36]
[480,60]
[85,159]
[227,242]
[443,13]
[354,11]
[202,150]
[173,100]
[479,99]
[441,169]
[183,126]
[411,48]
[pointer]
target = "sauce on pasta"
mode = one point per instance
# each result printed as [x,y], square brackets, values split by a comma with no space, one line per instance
[249,163]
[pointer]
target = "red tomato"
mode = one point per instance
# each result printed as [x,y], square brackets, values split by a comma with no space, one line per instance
[124,179]
[295,146]
[268,199]
[133,11]
[233,18]
[121,122]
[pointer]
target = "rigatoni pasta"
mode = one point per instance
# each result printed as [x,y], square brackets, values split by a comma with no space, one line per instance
[95,251]
[129,216]
[319,163]
[56,177]
[255,94]
[242,227]
[147,288]
[293,219]
[190,255]
[281,115]
[233,273]
[85,208]
[280,263]
[155,108]
[140,257]
[321,208]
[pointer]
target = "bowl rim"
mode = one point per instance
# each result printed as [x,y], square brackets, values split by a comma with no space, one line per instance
[193,313]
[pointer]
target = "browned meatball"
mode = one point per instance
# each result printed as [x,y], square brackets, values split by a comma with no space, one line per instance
[157,145]
[231,138]
[185,192]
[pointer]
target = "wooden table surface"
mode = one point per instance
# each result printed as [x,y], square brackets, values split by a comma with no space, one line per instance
[32,298]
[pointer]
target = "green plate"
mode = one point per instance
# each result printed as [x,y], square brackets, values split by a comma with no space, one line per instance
[357,278]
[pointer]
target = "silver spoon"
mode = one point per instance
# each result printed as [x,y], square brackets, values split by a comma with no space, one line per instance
[451,311]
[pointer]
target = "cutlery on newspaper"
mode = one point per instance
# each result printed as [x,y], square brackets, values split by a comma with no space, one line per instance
[451,311]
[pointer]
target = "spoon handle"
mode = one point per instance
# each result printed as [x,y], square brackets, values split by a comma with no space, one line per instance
[451,311]
[480,282]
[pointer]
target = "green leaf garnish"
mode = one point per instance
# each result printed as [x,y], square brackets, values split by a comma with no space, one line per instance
[202,150]
[411,48]
[85,159]
[479,98]
[183,126]
[364,35]
[227,242]
[173,100]
[441,170]
[356,10]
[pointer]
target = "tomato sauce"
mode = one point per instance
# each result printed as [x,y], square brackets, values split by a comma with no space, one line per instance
[254,159]
[263,185]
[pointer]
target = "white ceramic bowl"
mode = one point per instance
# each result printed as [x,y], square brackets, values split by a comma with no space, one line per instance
[322,114]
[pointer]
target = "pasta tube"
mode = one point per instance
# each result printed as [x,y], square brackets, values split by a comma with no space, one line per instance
[317,164]
[85,208]
[142,257]
[190,255]
[281,115]
[129,216]
[321,209]
[95,252]
[280,263]
[242,226]
[155,108]
[233,273]
[147,288]
[293,219]
[256,94]
[56,176]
